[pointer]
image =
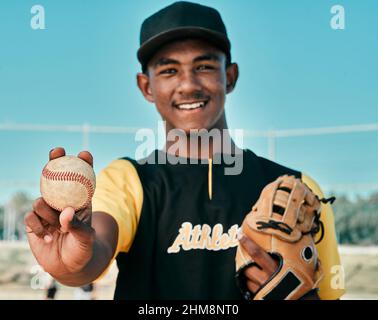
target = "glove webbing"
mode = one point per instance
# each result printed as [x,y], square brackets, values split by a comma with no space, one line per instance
[287,229]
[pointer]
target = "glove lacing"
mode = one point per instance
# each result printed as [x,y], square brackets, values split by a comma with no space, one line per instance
[283,227]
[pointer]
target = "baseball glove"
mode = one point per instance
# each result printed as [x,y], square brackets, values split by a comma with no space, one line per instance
[284,222]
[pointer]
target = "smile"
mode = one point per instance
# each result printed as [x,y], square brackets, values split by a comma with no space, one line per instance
[191,106]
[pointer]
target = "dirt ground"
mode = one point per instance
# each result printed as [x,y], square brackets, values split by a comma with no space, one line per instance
[21,278]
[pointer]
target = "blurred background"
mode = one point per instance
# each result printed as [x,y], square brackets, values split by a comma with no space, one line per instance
[307,98]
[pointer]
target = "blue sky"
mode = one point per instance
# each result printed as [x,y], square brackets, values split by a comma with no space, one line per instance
[295,72]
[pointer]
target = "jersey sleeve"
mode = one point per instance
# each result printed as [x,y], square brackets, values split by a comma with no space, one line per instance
[119,193]
[329,287]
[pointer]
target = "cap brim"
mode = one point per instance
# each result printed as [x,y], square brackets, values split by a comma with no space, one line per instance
[149,48]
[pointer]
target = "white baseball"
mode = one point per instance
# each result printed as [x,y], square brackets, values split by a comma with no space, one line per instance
[67,182]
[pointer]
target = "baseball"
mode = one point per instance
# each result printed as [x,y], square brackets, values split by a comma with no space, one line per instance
[67,182]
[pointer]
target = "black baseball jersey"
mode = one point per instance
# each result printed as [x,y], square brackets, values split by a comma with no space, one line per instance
[178,224]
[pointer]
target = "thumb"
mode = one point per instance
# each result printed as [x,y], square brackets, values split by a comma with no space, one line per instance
[70,223]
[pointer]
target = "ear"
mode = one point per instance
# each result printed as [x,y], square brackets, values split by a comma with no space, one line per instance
[232,75]
[143,82]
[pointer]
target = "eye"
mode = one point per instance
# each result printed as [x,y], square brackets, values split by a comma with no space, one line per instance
[205,67]
[168,71]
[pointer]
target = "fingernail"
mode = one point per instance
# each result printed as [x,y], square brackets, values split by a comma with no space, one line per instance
[69,209]
[47,238]
[28,229]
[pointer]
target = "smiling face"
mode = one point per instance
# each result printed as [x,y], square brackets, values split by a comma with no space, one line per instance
[188,81]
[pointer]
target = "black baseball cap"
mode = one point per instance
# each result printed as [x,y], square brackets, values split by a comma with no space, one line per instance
[181,20]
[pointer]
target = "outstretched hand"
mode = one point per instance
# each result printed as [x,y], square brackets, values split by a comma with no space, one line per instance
[61,241]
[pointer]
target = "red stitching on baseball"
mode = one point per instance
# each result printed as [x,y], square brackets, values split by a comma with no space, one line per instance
[70,176]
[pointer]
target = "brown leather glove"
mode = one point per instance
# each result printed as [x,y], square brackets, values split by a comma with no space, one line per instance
[284,222]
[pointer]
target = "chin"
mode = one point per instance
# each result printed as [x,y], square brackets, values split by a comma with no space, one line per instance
[195,127]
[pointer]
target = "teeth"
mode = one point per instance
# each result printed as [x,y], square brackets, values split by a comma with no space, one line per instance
[189,106]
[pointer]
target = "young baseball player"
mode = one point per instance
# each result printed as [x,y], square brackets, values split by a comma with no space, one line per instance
[171,224]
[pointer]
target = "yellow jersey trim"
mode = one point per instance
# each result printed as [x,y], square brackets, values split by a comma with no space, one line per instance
[327,248]
[119,193]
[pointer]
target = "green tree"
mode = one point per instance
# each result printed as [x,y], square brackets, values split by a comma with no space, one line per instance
[1,222]
[20,203]
[357,221]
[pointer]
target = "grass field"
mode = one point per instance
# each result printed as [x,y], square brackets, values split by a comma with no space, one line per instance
[19,274]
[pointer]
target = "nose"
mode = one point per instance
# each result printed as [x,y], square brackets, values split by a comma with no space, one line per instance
[188,83]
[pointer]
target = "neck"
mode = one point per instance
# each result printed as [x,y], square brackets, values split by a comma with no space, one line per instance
[200,144]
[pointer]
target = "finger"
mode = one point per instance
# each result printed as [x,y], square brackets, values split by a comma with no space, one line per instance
[85,215]
[72,224]
[65,218]
[258,254]
[32,221]
[256,275]
[252,286]
[57,153]
[86,156]
[44,211]
[33,224]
